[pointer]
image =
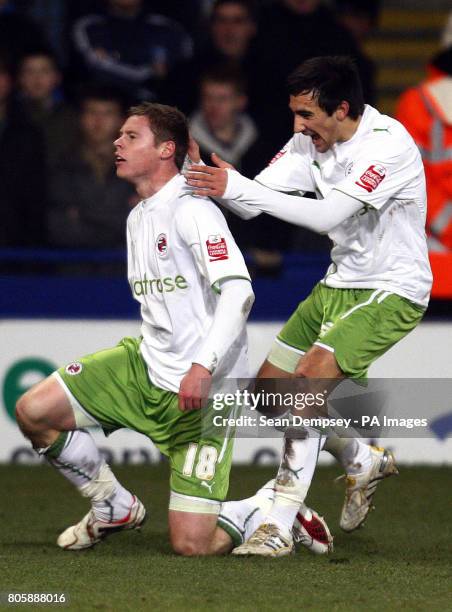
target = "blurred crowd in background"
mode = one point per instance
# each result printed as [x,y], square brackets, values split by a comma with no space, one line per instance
[69,70]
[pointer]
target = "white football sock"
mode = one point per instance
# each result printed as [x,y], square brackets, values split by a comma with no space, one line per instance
[76,456]
[294,478]
[240,519]
[334,445]
[362,460]
[354,455]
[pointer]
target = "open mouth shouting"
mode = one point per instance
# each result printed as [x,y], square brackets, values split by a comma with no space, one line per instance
[317,140]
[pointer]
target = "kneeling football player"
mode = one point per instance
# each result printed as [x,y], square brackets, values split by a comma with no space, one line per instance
[195,294]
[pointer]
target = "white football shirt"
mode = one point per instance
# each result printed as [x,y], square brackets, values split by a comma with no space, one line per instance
[179,249]
[383,246]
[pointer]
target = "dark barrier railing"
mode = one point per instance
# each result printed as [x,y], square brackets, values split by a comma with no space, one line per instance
[61,255]
[92,284]
[101,256]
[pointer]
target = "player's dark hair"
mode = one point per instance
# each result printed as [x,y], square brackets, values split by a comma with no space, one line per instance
[331,80]
[166,123]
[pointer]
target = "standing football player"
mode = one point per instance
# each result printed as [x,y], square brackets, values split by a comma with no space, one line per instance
[369,180]
[194,290]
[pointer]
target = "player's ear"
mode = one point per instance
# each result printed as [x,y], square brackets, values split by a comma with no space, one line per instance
[167,149]
[342,110]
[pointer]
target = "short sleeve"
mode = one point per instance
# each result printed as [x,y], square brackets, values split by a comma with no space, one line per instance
[290,169]
[377,176]
[199,222]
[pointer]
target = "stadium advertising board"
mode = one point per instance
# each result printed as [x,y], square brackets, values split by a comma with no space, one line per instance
[37,347]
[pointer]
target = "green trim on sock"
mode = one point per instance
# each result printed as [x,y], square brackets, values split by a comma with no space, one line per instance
[232,530]
[250,515]
[61,465]
[55,449]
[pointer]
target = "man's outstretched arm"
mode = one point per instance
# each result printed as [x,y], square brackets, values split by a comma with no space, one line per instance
[226,184]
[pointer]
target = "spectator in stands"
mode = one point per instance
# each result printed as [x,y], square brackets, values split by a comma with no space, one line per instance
[231,32]
[128,48]
[220,124]
[22,172]
[360,18]
[40,94]
[426,112]
[190,14]
[52,18]
[233,27]
[290,32]
[89,204]
[298,28]
[18,34]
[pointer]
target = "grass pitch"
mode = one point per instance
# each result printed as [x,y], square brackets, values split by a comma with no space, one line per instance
[401,559]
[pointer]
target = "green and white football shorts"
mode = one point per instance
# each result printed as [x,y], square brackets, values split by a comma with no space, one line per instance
[357,325]
[111,388]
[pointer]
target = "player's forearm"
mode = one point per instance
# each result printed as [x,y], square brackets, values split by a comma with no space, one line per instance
[230,318]
[317,215]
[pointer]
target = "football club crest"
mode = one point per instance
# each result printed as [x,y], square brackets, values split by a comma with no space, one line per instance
[216,248]
[74,368]
[162,245]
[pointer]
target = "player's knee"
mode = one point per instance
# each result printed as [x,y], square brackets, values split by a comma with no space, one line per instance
[318,363]
[30,412]
[22,410]
[188,547]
